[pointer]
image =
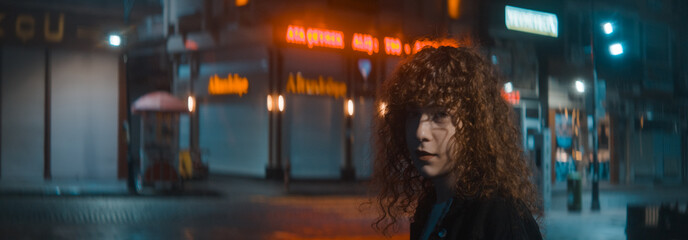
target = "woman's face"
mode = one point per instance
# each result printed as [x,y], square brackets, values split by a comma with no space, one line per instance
[429,138]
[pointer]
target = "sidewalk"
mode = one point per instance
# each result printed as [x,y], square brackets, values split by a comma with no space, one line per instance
[63,187]
[215,185]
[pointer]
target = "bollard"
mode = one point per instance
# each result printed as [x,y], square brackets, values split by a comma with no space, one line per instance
[573,191]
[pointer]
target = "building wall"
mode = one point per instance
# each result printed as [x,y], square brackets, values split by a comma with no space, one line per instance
[23,113]
[83,117]
[83,113]
[655,157]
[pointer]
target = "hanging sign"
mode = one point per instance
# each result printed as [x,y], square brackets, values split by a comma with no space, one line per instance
[530,21]
[233,84]
[315,86]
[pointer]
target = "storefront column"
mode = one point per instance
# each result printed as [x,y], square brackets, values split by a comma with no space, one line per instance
[274,168]
[47,113]
[348,173]
[194,65]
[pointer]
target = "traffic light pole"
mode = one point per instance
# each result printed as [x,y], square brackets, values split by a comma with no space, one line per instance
[595,205]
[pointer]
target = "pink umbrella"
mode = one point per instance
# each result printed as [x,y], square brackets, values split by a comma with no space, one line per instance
[159,101]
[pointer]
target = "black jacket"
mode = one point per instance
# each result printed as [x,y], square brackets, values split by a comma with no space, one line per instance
[492,218]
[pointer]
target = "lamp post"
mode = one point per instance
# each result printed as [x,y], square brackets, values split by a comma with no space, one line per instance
[595,205]
[614,49]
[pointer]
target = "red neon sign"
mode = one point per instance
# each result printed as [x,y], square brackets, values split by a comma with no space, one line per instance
[420,44]
[512,97]
[407,49]
[365,43]
[324,38]
[315,37]
[392,46]
[296,34]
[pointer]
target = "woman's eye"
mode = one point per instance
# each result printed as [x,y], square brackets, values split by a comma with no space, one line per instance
[413,114]
[440,116]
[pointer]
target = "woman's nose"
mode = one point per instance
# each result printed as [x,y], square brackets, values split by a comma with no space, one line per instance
[423,129]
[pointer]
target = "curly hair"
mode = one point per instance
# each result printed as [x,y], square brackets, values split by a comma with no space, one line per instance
[488,160]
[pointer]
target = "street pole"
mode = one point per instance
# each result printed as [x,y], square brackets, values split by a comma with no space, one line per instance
[595,206]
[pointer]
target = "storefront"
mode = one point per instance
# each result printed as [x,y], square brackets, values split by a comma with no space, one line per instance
[285,99]
[60,94]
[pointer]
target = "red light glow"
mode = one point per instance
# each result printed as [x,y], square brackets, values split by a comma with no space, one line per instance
[392,46]
[365,43]
[190,44]
[407,49]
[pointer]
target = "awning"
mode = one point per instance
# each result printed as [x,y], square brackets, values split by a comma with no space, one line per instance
[159,101]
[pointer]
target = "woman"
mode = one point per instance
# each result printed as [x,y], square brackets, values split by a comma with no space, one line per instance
[448,152]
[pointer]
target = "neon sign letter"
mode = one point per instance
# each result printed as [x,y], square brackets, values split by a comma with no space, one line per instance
[233,84]
[365,43]
[296,34]
[316,86]
[324,38]
[315,37]
[392,46]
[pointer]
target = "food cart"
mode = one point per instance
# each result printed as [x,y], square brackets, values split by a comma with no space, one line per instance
[159,141]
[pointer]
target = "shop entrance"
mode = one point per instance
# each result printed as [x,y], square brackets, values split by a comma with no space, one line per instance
[315,136]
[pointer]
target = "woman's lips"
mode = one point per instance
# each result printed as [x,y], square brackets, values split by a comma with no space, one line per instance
[424,156]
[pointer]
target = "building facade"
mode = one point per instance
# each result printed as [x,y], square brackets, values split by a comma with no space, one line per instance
[61,97]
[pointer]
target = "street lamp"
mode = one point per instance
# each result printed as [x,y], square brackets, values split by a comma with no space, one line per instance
[115,40]
[580,86]
[608,28]
[508,87]
[616,49]
[280,103]
[191,103]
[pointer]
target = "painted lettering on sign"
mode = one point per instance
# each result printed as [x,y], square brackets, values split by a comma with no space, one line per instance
[365,43]
[25,27]
[320,86]
[233,84]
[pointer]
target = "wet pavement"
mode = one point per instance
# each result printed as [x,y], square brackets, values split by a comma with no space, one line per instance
[236,208]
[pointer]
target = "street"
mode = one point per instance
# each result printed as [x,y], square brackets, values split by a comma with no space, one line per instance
[260,209]
[184,218]
[255,211]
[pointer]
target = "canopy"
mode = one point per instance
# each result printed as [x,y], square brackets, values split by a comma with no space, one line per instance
[159,101]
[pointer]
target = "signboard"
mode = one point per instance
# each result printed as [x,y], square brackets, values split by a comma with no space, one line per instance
[513,97]
[530,21]
[299,84]
[392,46]
[328,38]
[233,84]
[27,26]
[315,37]
[365,43]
